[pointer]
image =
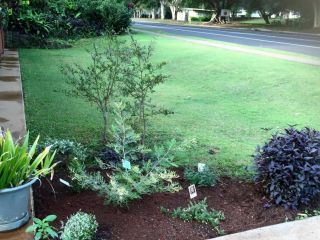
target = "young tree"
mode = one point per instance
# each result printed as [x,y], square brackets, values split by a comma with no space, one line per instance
[142,77]
[98,82]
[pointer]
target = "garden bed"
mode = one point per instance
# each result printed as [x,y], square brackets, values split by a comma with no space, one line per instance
[242,203]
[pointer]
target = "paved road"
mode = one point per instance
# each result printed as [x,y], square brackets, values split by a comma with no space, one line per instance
[296,43]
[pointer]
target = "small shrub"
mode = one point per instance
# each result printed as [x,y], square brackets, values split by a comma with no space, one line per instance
[80,226]
[66,149]
[289,166]
[126,185]
[42,229]
[207,178]
[198,212]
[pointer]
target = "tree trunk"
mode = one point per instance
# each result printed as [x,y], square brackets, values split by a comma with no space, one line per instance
[265,16]
[216,16]
[105,126]
[173,12]
[153,13]
[316,8]
[163,10]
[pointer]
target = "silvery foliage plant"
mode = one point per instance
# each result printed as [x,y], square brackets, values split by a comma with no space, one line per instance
[80,226]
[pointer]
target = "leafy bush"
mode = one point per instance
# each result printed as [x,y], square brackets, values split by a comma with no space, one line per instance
[42,229]
[127,185]
[116,17]
[80,226]
[40,19]
[289,166]
[33,23]
[131,184]
[66,149]
[205,178]
[198,212]
[18,164]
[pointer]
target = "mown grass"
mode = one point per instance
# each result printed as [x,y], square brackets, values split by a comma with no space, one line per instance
[220,98]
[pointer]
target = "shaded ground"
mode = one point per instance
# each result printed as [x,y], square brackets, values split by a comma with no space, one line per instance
[242,203]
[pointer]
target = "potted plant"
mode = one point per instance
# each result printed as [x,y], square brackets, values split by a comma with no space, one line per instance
[19,169]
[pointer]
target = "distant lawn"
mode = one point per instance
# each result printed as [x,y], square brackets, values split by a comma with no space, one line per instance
[254,21]
[221,98]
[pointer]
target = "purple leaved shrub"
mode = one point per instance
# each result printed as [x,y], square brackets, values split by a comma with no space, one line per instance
[289,166]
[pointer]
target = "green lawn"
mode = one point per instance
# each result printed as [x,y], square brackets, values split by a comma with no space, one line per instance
[220,98]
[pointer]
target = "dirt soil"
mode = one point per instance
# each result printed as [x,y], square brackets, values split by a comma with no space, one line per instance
[243,205]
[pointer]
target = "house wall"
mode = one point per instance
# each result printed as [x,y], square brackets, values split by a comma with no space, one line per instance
[187,13]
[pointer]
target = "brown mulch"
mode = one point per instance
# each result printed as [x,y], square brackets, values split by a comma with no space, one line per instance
[242,203]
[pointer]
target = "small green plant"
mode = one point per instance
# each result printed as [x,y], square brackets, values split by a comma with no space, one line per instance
[42,229]
[307,214]
[125,186]
[125,140]
[198,212]
[206,178]
[80,226]
[18,164]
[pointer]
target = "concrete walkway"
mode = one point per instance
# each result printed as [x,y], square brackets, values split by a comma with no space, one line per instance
[12,115]
[308,229]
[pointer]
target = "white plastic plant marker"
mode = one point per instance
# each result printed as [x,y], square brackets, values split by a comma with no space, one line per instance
[192,191]
[201,167]
[126,164]
[64,182]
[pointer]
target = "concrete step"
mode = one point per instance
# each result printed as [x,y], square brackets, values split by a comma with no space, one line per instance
[12,117]
[307,229]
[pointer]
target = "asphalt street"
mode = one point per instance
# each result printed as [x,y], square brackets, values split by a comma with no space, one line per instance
[290,42]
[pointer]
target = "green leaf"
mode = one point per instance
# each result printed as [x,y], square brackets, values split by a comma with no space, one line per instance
[50,218]
[37,221]
[52,233]
[38,236]
[32,228]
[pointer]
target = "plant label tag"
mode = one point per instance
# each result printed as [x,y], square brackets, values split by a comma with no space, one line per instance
[201,167]
[126,164]
[64,182]
[192,191]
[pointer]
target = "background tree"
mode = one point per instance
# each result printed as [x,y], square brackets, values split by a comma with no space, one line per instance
[174,6]
[217,6]
[266,8]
